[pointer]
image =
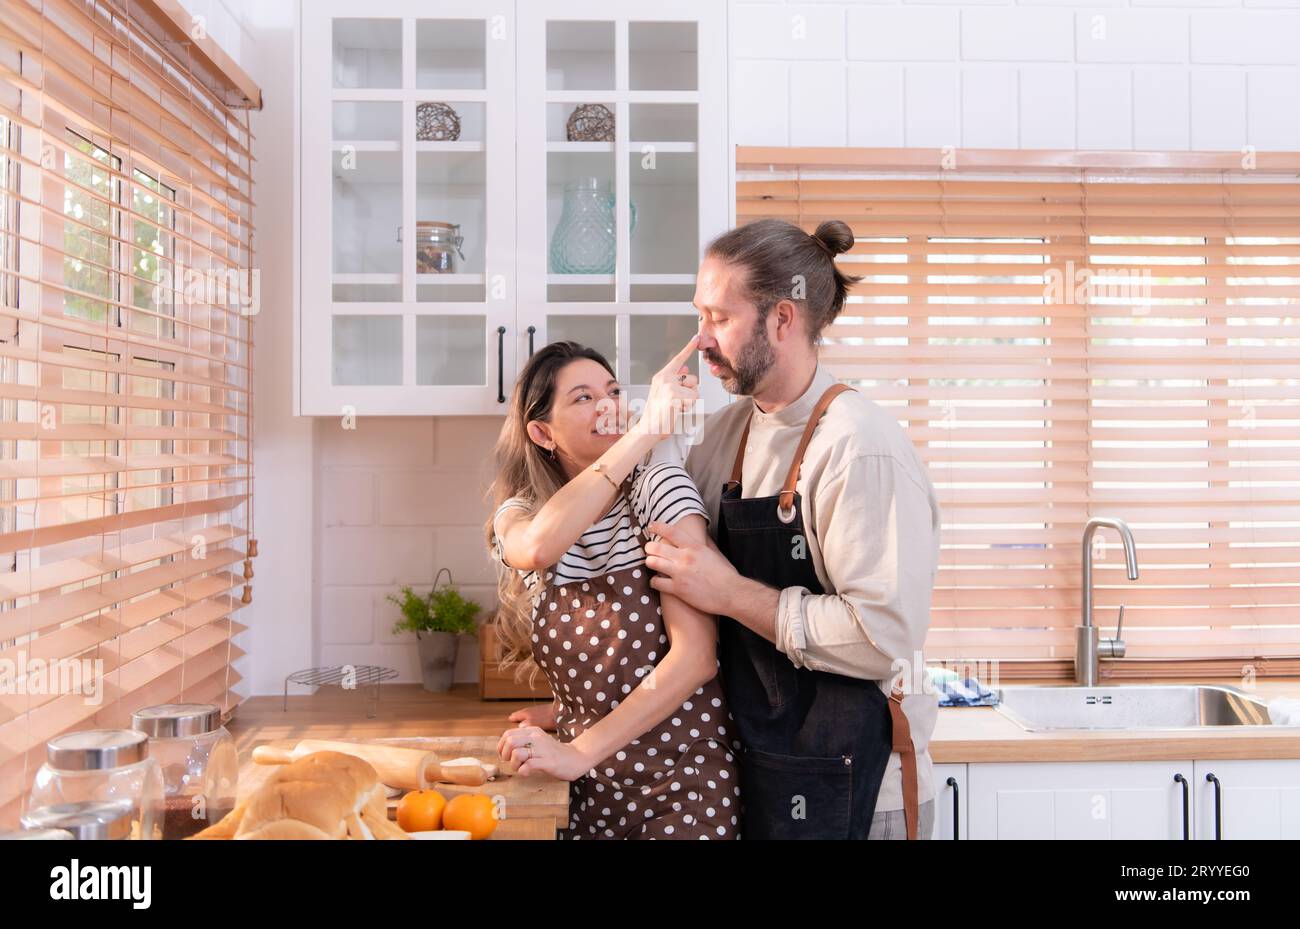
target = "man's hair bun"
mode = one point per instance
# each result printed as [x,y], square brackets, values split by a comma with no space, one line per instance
[835,235]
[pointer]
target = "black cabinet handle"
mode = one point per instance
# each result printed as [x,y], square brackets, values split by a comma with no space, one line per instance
[531,331]
[1218,805]
[1187,834]
[501,364]
[956,817]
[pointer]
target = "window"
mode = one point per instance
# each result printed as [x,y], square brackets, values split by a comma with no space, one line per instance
[125,408]
[1063,344]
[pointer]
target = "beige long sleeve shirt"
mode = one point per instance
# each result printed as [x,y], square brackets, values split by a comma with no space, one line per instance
[873,534]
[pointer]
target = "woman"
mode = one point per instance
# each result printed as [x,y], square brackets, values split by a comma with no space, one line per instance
[643,731]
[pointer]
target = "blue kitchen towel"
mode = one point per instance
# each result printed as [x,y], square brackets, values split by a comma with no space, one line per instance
[967,693]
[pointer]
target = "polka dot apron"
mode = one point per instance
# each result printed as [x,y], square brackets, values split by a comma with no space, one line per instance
[596,640]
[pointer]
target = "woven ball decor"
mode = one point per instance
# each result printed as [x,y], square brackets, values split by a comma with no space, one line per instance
[436,122]
[590,122]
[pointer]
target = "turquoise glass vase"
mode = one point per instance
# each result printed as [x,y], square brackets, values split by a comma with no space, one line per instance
[584,241]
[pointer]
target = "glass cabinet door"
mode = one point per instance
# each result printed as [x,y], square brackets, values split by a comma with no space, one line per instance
[407,249]
[621,128]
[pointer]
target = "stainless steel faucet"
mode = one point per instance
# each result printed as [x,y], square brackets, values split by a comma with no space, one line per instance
[1088,646]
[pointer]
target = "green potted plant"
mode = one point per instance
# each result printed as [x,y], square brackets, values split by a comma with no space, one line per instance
[438,620]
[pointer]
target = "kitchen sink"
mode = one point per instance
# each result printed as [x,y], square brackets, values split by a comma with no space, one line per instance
[1130,706]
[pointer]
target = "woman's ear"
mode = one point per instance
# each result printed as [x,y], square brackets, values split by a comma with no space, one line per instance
[540,433]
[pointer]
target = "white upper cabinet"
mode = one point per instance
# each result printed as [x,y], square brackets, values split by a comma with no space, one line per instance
[479,179]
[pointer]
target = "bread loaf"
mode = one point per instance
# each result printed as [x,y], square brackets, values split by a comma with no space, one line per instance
[325,795]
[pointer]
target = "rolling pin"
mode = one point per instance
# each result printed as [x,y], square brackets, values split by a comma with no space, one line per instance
[396,767]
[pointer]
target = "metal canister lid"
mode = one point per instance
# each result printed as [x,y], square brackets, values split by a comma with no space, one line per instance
[38,834]
[177,720]
[88,819]
[96,749]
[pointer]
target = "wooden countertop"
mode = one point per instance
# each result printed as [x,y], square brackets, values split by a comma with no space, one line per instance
[962,734]
[532,807]
[454,724]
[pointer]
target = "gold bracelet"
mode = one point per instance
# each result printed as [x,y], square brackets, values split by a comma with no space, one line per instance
[600,469]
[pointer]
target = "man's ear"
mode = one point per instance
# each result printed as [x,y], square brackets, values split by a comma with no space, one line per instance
[540,433]
[787,319]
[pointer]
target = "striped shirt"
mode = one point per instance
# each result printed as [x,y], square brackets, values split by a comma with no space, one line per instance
[662,492]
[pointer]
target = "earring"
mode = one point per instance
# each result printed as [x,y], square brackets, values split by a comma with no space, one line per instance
[550,452]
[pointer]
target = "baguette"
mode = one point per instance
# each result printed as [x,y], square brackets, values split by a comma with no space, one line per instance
[325,795]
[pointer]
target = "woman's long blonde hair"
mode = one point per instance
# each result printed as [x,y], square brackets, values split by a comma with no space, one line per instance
[524,470]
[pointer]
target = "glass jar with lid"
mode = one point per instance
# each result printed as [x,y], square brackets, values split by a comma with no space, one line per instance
[108,765]
[200,765]
[436,247]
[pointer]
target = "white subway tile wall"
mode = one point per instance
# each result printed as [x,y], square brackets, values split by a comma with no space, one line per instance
[398,499]
[1127,74]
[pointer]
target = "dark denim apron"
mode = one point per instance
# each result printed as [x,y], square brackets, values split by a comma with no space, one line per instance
[815,743]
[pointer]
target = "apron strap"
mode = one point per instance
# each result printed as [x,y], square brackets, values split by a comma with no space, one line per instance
[907,756]
[740,450]
[787,490]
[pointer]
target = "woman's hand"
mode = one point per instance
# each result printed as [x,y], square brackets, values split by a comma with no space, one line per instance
[673,390]
[542,715]
[530,750]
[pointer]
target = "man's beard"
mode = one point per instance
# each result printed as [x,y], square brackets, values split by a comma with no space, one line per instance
[754,360]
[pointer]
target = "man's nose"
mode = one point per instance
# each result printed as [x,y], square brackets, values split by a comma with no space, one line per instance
[707,341]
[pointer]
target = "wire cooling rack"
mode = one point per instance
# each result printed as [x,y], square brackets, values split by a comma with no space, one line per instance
[346,676]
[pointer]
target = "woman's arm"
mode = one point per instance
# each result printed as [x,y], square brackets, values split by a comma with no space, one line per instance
[535,542]
[531,543]
[690,663]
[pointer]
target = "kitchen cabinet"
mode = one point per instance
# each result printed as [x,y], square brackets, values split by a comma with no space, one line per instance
[1111,800]
[596,240]
[950,802]
[1256,799]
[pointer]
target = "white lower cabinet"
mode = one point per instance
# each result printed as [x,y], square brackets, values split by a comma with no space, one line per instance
[950,801]
[1112,800]
[1255,799]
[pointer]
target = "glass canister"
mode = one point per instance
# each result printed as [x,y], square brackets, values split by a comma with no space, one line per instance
[89,819]
[436,247]
[106,765]
[584,240]
[200,766]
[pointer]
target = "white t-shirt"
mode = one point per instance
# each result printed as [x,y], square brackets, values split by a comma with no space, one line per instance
[661,491]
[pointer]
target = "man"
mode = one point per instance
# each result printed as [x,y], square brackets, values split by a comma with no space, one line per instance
[827,538]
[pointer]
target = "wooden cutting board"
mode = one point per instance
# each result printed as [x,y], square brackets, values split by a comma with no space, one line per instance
[534,805]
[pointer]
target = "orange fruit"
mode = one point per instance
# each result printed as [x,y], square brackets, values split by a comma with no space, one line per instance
[421,811]
[473,813]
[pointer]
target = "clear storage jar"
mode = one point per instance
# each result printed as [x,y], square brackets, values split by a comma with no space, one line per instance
[200,765]
[436,247]
[104,765]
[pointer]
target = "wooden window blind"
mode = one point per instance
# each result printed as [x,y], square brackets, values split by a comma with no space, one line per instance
[1067,335]
[126,303]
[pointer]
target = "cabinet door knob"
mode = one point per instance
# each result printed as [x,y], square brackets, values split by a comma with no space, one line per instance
[1187,834]
[531,331]
[501,364]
